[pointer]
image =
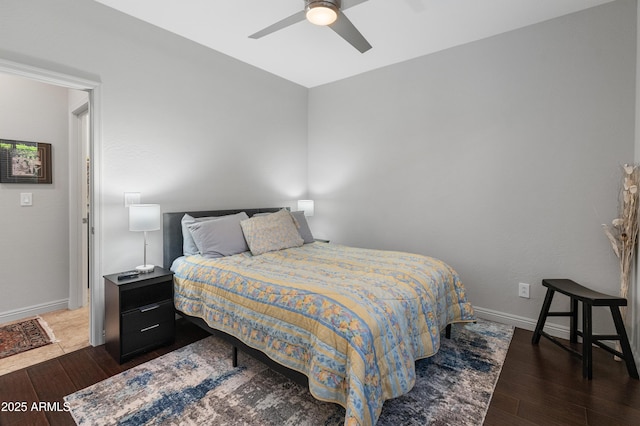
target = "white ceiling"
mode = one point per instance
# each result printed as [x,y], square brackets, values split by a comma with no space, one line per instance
[310,56]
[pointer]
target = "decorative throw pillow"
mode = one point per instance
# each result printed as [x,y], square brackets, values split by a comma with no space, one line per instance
[276,231]
[301,224]
[303,227]
[219,237]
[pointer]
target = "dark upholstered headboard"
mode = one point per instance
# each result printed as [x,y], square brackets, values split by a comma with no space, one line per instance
[172,229]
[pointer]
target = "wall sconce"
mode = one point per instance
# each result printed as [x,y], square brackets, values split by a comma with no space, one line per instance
[306,206]
[144,217]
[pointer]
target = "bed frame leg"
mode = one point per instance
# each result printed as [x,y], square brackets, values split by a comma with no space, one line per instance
[447,332]
[235,357]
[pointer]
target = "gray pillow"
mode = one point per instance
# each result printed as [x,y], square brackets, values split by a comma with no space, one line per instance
[219,237]
[303,227]
[188,245]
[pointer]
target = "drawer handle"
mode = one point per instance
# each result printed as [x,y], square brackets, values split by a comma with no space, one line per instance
[149,308]
[149,328]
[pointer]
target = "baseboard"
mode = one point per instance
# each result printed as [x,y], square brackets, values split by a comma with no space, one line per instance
[34,310]
[521,322]
[530,324]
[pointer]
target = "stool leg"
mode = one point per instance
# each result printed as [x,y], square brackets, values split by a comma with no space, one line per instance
[624,342]
[543,316]
[587,361]
[573,321]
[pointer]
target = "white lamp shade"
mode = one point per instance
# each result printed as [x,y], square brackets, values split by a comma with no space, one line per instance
[144,217]
[306,206]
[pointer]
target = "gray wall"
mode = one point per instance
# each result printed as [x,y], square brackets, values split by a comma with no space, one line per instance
[186,126]
[34,259]
[500,157]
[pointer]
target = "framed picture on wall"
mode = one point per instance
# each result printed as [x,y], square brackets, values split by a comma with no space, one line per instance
[25,162]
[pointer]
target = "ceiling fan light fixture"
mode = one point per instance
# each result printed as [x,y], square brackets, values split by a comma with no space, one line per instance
[322,12]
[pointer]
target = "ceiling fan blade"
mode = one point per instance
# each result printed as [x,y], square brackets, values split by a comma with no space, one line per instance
[346,4]
[345,29]
[284,23]
[417,5]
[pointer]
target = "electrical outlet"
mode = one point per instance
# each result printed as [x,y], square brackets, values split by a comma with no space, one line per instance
[523,290]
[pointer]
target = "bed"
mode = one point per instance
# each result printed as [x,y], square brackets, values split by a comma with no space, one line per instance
[348,323]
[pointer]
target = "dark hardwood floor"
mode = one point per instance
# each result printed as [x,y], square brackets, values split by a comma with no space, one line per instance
[543,385]
[51,380]
[538,385]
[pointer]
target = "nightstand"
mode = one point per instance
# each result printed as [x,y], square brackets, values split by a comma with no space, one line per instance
[139,314]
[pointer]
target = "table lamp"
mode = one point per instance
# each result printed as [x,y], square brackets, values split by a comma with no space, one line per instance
[144,217]
[306,206]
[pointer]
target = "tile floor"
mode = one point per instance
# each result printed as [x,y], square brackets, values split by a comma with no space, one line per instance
[71,329]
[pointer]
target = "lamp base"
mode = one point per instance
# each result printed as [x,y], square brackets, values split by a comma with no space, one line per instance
[145,269]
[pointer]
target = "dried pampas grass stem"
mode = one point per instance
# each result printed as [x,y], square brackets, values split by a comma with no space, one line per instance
[623,231]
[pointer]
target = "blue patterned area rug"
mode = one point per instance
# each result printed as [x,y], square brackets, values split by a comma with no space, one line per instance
[196,385]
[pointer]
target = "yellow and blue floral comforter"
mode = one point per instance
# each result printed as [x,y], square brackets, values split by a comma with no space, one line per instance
[353,320]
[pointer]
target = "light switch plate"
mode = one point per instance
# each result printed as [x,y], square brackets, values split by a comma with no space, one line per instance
[131,198]
[26,199]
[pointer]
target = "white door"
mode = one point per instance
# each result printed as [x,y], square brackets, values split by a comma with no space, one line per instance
[80,203]
[83,122]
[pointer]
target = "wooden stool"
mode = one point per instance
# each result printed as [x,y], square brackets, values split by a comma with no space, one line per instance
[589,298]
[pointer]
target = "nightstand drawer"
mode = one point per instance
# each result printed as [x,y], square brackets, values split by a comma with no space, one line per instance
[152,335]
[138,313]
[147,316]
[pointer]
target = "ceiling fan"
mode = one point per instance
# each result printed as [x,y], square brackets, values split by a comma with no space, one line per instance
[325,13]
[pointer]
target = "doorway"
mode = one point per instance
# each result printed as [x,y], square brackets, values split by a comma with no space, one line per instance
[94,264]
